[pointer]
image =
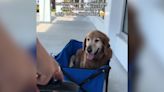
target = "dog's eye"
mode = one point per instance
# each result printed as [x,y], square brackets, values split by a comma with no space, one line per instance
[96,40]
[88,39]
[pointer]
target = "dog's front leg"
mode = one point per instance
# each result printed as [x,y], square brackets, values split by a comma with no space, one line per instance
[83,62]
[72,61]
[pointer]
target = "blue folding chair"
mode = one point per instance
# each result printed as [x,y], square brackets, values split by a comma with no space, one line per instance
[89,80]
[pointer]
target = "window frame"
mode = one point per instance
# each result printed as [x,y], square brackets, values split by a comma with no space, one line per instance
[124,35]
[124,18]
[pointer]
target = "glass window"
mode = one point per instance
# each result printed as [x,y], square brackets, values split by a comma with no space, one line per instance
[125,22]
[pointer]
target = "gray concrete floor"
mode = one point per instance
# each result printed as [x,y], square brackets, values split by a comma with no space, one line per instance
[54,36]
[57,34]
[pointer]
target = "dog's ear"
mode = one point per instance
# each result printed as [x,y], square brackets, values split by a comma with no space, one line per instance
[84,44]
[108,52]
[105,40]
[106,47]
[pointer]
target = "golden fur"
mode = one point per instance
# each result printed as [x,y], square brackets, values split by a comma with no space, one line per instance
[95,53]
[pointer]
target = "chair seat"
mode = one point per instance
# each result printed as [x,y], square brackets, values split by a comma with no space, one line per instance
[88,80]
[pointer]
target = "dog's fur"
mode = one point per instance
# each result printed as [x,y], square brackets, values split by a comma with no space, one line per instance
[95,53]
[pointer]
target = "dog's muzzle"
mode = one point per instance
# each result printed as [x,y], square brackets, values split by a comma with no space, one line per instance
[89,49]
[90,55]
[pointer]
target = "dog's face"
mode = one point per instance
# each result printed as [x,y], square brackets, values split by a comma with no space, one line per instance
[94,43]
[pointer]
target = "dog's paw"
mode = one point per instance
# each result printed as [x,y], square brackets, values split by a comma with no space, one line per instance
[72,61]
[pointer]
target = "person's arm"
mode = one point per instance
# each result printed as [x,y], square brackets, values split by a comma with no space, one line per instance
[47,67]
[17,72]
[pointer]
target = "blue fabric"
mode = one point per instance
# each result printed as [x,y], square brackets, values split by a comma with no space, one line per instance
[70,49]
[130,67]
[79,75]
[132,74]
[33,51]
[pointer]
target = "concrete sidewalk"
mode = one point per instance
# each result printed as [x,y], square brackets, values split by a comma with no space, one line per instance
[54,36]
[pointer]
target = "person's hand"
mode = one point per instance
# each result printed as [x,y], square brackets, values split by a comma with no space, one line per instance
[58,74]
[47,66]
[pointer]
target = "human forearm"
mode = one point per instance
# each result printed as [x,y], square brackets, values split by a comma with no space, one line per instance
[46,65]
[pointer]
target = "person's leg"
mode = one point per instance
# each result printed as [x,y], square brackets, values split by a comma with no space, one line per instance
[135,43]
[17,71]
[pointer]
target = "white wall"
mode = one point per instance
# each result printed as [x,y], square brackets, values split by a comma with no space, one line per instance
[112,26]
[120,46]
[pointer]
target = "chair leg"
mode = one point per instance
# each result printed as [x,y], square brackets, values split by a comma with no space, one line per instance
[106,84]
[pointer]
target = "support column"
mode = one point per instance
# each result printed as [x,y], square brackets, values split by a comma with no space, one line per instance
[80,1]
[59,7]
[45,10]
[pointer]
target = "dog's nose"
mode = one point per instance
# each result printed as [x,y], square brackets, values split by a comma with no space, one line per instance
[89,49]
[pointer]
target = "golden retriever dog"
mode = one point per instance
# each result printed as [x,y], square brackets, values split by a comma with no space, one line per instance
[95,53]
